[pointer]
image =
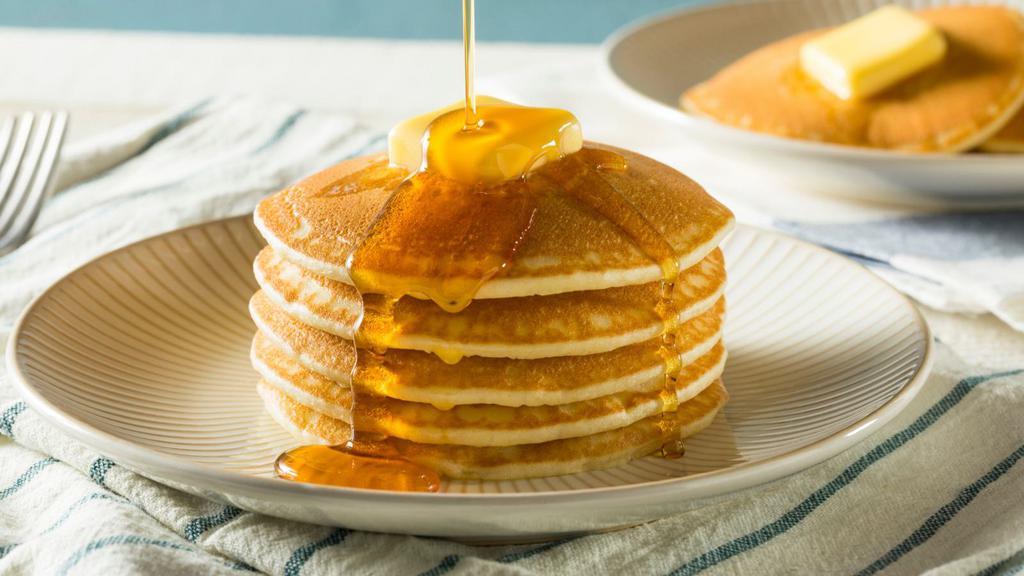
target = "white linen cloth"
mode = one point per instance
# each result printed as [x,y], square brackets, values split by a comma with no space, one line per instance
[937,490]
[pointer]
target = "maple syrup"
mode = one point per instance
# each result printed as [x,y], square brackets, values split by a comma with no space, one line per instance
[356,467]
[475,178]
[601,195]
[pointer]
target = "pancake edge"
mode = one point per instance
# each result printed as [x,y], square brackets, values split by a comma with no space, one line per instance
[484,437]
[520,287]
[456,471]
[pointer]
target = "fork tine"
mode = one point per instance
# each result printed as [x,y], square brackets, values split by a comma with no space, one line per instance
[38,173]
[25,172]
[6,131]
[40,184]
[12,160]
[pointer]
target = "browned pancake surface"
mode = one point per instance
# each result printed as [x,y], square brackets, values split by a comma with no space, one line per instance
[476,424]
[420,377]
[1010,138]
[950,107]
[523,461]
[506,324]
[325,216]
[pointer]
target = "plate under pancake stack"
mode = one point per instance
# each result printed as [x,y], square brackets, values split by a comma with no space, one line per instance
[558,366]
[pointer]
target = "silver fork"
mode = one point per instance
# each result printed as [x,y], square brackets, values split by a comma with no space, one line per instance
[29,148]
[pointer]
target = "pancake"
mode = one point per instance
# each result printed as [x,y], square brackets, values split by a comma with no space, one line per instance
[1010,139]
[475,424]
[317,222]
[419,377]
[950,107]
[570,324]
[556,457]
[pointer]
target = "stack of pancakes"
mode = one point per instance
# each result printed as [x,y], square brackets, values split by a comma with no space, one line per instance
[972,99]
[559,363]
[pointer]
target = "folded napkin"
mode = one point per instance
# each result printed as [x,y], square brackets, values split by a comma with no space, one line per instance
[959,262]
[938,489]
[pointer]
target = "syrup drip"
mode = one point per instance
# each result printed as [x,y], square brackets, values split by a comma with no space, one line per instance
[469,61]
[602,196]
[451,226]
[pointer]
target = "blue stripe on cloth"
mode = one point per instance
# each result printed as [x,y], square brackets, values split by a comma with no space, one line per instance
[128,539]
[446,564]
[78,504]
[5,549]
[1014,563]
[99,468]
[162,133]
[239,565]
[196,527]
[941,517]
[802,510]
[26,477]
[173,125]
[524,554]
[281,131]
[10,416]
[451,561]
[302,554]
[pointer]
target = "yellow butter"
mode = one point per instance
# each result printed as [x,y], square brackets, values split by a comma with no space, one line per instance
[872,53]
[509,141]
[405,140]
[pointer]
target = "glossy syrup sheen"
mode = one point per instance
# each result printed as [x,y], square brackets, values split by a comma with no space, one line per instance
[454,224]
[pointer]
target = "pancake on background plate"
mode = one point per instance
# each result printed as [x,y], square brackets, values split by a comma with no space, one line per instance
[575,356]
[954,106]
[1009,139]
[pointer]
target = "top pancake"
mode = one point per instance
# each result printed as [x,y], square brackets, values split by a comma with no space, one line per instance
[953,106]
[319,221]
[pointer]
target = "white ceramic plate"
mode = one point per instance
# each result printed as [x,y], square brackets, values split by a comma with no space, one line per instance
[652,62]
[143,356]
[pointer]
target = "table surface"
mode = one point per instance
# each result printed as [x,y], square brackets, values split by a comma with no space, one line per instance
[110,78]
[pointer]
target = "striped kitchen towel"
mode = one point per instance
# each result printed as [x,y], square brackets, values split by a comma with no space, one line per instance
[937,490]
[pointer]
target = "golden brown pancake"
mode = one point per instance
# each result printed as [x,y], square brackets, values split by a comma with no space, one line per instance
[565,456]
[549,343]
[317,223]
[574,323]
[419,377]
[475,424]
[953,106]
[1009,139]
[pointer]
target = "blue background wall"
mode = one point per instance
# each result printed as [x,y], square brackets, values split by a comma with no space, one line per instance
[501,20]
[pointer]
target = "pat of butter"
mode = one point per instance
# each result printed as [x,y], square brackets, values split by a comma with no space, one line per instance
[510,141]
[872,53]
